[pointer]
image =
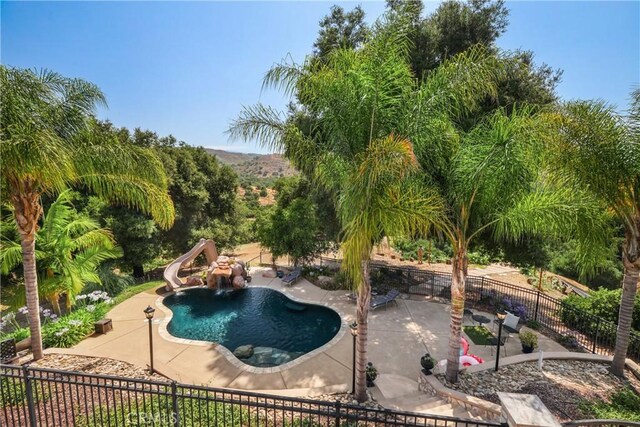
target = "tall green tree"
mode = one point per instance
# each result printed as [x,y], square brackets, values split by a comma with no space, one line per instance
[366,102]
[69,250]
[494,180]
[47,146]
[601,150]
[341,30]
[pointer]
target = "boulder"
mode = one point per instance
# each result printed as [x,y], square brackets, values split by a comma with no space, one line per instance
[238,282]
[243,352]
[237,270]
[194,281]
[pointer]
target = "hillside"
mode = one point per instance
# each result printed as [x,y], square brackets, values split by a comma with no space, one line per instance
[258,168]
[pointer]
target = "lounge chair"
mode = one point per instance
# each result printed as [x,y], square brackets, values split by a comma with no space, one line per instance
[383,300]
[292,277]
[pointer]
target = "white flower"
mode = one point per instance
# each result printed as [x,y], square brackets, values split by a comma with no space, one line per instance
[81,297]
[53,317]
[75,322]
[109,301]
[91,308]
[9,316]
[23,310]
[46,312]
[2,324]
[62,331]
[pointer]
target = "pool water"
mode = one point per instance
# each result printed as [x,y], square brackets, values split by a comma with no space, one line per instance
[279,328]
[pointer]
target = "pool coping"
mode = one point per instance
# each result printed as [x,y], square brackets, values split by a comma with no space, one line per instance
[228,354]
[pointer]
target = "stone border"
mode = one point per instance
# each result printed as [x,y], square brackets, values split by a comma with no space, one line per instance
[431,385]
[533,357]
[164,333]
[487,410]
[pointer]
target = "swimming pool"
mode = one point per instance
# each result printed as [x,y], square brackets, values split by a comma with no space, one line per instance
[278,328]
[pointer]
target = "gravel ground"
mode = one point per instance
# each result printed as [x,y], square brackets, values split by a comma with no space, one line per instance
[95,365]
[561,385]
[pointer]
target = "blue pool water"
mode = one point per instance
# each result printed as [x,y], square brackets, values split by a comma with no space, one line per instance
[279,328]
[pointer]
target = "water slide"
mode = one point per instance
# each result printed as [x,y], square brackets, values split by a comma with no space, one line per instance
[171,272]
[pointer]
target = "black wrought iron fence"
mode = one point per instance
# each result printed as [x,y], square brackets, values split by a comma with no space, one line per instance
[48,397]
[573,327]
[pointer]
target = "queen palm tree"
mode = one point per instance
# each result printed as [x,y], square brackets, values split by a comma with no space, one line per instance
[494,180]
[601,150]
[69,249]
[359,107]
[47,146]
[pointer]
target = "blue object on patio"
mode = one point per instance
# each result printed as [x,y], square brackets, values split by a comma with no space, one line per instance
[293,276]
[383,300]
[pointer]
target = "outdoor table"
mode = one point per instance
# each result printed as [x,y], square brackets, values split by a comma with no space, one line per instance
[480,319]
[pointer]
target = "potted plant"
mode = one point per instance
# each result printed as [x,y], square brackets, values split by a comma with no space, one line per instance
[529,341]
[372,374]
[427,362]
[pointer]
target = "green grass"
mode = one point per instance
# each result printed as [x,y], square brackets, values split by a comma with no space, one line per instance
[479,335]
[133,290]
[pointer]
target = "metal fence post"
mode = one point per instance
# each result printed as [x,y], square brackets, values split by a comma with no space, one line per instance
[535,316]
[30,403]
[595,339]
[338,408]
[174,401]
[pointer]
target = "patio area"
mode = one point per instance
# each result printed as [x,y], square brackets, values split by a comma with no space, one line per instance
[398,336]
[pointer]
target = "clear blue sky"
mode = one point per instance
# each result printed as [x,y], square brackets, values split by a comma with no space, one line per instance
[187,68]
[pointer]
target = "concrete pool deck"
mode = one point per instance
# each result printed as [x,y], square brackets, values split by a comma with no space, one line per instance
[398,336]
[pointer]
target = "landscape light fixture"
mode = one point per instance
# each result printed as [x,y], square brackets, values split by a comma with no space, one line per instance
[149,312]
[354,333]
[501,315]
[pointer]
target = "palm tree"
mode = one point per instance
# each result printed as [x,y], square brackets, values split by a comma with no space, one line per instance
[69,249]
[494,181]
[47,146]
[357,108]
[601,150]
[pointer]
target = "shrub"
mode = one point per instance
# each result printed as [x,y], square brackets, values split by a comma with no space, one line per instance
[624,405]
[18,334]
[515,307]
[69,330]
[529,339]
[603,303]
[74,327]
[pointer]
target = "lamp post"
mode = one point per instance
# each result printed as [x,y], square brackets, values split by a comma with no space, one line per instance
[354,334]
[501,315]
[149,312]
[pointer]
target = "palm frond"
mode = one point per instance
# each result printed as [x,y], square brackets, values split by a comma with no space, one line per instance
[259,123]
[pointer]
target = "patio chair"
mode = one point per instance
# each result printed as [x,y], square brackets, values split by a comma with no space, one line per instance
[292,277]
[511,324]
[493,341]
[383,300]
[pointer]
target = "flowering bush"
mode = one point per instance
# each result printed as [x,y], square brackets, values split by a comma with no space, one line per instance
[516,308]
[61,332]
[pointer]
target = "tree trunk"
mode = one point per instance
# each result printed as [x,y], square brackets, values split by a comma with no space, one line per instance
[458,280]
[362,314]
[54,300]
[27,211]
[31,287]
[629,289]
[631,261]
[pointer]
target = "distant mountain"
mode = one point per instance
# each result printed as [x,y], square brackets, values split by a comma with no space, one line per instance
[263,168]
